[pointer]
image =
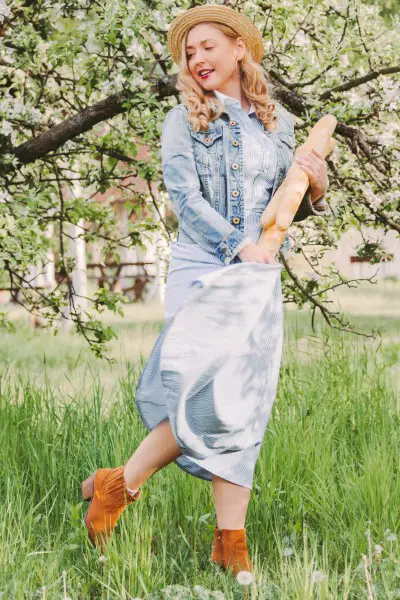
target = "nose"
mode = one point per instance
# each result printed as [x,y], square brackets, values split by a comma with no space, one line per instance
[198,61]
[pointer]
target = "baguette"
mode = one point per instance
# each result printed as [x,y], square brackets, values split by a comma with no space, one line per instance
[279,214]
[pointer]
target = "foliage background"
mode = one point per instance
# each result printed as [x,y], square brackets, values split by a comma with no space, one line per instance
[83,83]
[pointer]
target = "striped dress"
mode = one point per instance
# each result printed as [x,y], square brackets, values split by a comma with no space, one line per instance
[190,261]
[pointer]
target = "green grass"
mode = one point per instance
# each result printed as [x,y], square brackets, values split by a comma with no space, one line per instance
[326,487]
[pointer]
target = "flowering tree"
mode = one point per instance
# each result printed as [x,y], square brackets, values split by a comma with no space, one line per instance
[85,82]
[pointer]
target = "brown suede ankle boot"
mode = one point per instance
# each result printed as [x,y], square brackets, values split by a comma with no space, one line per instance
[109,499]
[216,554]
[234,550]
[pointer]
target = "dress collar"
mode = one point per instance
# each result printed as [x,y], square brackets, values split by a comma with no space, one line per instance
[229,101]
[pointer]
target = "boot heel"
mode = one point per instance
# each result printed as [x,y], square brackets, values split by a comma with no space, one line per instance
[87,487]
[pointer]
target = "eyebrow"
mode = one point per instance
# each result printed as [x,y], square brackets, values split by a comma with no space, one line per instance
[202,42]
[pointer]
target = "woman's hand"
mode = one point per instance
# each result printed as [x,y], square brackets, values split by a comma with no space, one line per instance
[314,164]
[254,253]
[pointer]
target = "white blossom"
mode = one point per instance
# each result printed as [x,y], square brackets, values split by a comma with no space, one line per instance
[314,276]
[159,47]
[34,114]
[43,46]
[200,591]
[340,4]
[18,107]
[344,60]
[137,81]
[160,18]
[244,577]
[4,196]
[105,86]
[118,81]
[217,595]
[5,10]
[302,39]
[387,138]
[4,104]
[318,576]
[92,43]
[6,128]
[136,49]
[390,536]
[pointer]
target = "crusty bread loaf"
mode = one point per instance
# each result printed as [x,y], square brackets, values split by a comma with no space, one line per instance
[281,209]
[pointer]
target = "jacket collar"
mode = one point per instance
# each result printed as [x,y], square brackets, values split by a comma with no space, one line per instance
[229,101]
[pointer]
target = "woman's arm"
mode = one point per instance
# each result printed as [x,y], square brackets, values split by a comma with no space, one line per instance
[206,226]
[307,208]
[314,165]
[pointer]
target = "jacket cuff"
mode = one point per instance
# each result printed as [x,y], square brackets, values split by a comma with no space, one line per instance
[236,258]
[230,246]
[307,208]
[285,247]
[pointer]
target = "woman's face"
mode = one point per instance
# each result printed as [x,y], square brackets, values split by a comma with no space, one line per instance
[209,48]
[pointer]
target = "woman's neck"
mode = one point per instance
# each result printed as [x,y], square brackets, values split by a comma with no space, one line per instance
[233,92]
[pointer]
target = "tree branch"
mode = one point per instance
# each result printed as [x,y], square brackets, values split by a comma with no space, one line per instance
[59,134]
[162,87]
[84,121]
[359,81]
[327,314]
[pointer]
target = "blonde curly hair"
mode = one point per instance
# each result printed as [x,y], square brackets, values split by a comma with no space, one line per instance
[203,105]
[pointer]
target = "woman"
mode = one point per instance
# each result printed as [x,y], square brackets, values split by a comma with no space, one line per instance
[225,150]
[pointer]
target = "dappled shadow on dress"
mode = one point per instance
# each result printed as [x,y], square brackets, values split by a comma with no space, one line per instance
[220,360]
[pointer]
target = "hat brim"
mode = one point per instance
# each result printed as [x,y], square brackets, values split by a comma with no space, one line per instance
[218,14]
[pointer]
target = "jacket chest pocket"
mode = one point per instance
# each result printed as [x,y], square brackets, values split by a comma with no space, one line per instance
[208,149]
[208,154]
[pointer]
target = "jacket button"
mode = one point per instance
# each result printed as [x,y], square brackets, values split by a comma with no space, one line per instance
[232,123]
[235,166]
[235,194]
[235,143]
[207,139]
[224,250]
[236,220]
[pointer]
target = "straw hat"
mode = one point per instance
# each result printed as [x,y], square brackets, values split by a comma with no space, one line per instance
[219,14]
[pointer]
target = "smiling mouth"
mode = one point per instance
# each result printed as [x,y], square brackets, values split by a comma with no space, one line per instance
[207,74]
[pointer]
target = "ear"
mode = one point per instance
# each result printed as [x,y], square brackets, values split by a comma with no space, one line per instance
[241,48]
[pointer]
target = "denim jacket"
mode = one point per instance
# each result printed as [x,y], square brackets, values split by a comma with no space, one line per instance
[203,175]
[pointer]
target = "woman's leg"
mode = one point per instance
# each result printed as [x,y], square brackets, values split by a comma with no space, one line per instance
[156,451]
[230,537]
[231,503]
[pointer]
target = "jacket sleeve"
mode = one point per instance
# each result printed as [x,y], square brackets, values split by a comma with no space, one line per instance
[307,208]
[204,225]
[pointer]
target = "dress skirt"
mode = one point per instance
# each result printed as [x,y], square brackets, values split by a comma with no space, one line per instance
[217,390]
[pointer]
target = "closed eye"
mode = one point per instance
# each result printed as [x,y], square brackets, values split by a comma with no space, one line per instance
[189,55]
